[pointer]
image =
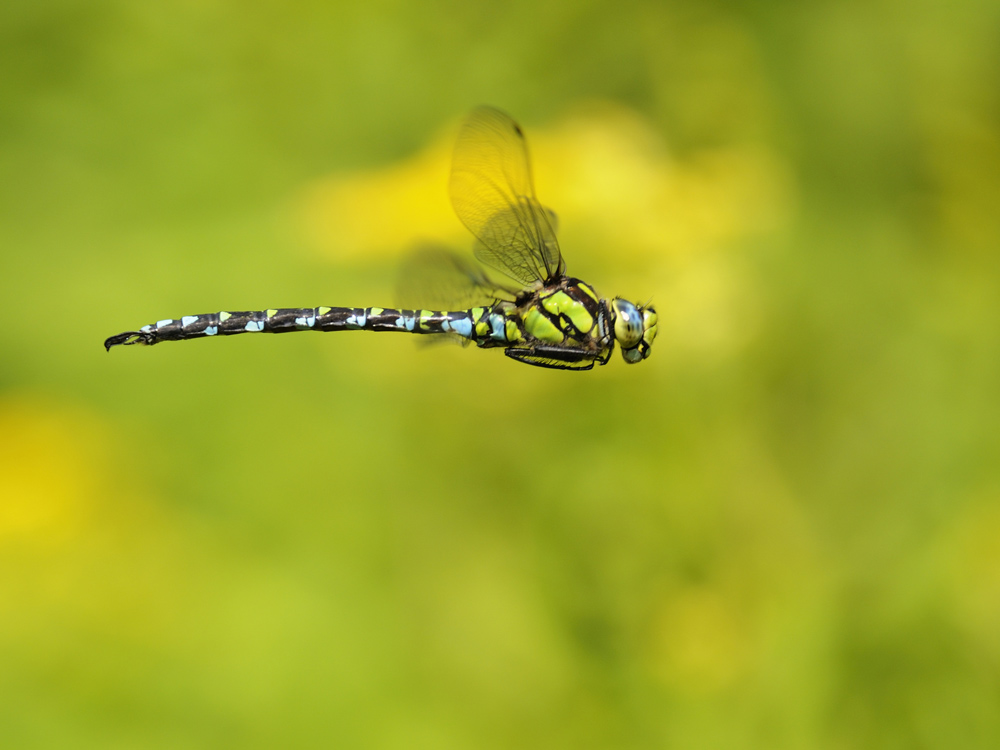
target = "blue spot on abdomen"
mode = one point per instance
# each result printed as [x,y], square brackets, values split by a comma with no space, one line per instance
[462,326]
[499,325]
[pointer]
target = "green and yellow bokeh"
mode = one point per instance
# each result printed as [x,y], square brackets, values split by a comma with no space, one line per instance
[780,531]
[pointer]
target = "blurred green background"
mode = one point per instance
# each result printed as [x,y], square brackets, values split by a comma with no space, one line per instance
[779,532]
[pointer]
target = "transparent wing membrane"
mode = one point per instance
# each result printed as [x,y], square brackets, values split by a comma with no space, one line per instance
[434,277]
[493,194]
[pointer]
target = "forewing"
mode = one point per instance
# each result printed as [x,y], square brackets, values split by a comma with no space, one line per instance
[493,195]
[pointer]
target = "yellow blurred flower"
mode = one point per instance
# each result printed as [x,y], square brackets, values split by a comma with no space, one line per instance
[381,211]
[47,470]
[602,168]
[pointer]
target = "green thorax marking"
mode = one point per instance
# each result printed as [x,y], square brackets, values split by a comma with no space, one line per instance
[540,326]
[566,311]
[562,304]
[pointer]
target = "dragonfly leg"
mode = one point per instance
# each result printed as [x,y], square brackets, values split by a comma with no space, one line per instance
[553,357]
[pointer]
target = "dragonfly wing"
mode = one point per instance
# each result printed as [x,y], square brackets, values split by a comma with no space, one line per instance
[435,278]
[493,194]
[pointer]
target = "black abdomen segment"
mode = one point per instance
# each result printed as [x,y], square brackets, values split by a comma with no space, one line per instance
[286,320]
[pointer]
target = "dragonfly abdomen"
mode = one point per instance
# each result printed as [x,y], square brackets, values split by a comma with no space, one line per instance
[466,324]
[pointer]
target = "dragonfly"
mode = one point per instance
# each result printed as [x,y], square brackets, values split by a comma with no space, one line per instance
[544,318]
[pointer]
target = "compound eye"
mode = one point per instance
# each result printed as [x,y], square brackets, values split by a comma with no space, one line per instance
[628,323]
[649,322]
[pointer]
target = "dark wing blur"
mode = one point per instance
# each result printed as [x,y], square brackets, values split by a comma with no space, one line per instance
[492,192]
[434,278]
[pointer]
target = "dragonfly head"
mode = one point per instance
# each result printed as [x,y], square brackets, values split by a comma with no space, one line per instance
[635,329]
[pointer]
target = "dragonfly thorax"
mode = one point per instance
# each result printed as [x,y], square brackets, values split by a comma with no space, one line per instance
[635,329]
